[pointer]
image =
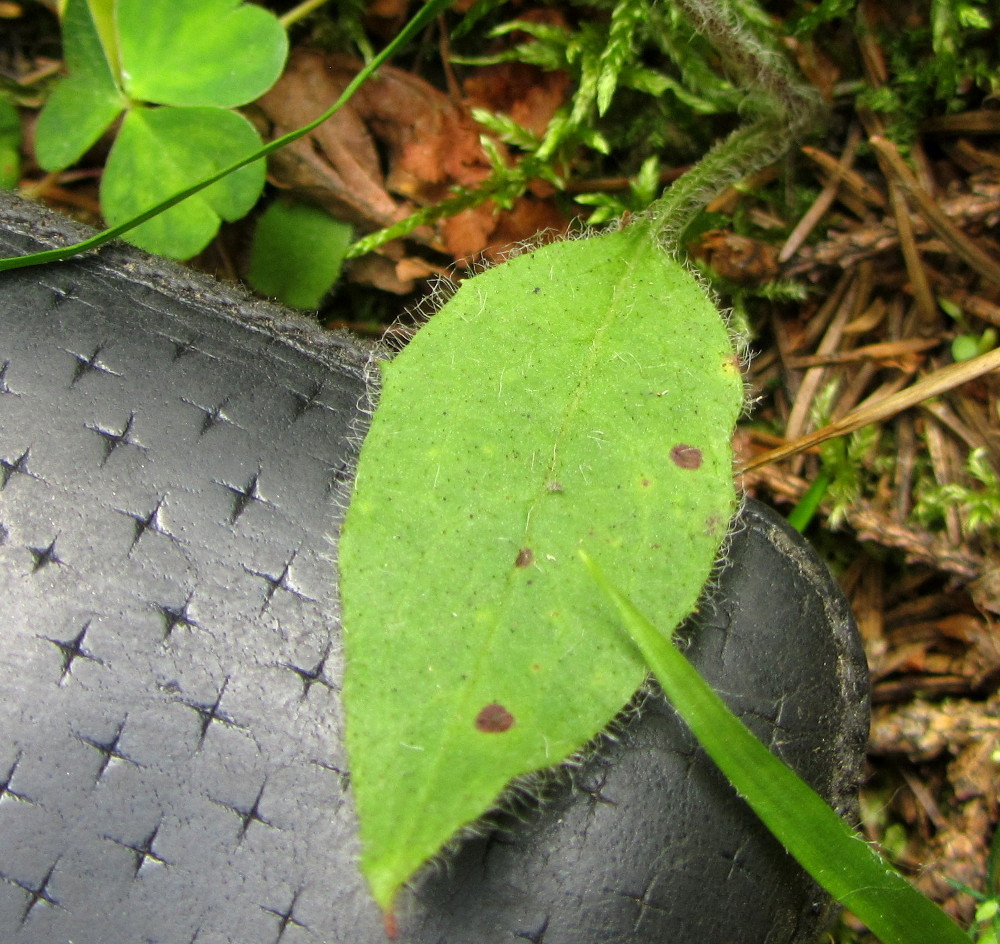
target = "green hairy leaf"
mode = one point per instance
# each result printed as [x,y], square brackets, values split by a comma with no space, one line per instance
[585,392]
[844,864]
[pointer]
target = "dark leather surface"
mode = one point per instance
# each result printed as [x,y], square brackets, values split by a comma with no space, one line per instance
[171,762]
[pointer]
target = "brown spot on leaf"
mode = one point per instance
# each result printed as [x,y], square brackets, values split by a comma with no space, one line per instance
[525,557]
[494,719]
[685,456]
[645,483]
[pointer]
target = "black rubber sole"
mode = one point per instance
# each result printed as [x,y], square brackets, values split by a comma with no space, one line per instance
[171,759]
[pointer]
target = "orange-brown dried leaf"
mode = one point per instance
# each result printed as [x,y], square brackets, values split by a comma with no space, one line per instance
[739,259]
[338,165]
[527,94]
[400,144]
[430,143]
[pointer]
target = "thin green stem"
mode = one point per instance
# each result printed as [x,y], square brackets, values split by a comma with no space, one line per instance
[300,12]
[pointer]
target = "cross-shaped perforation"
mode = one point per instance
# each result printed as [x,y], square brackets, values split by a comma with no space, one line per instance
[250,814]
[174,616]
[71,650]
[108,749]
[536,936]
[90,364]
[4,386]
[142,851]
[310,677]
[149,522]
[185,346]
[44,556]
[116,438]
[285,917]
[19,466]
[304,402]
[37,893]
[646,905]
[6,790]
[62,295]
[276,582]
[211,415]
[207,714]
[593,790]
[244,495]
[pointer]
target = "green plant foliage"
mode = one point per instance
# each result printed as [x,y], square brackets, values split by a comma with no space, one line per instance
[978,504]
[200,56]
[424,16]
[165,149]
[642,190]
[935,68]
[198,52]
[986,923]
[87,101]
[297,253]
[10,144]
[606,60]
[850,465]
[967,346]
[477,650]
[846,866]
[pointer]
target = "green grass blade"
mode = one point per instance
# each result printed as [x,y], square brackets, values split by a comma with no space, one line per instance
[808,505]
[846,866]
[426,14]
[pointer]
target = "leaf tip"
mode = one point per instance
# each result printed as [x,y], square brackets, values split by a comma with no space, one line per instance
[390,923]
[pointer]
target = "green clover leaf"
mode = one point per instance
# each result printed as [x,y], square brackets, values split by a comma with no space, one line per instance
[167,148]
[203,55]
[83,105]
[199,52]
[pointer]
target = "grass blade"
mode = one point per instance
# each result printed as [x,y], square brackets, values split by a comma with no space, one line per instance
[846,866]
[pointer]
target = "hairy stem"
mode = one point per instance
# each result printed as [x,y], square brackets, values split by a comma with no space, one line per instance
[785,107]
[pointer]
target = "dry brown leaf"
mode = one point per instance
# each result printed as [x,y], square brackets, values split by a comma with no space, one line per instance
[338,165]
[429,142]
[527,94]
[400,144]
[739,259]
[966,735]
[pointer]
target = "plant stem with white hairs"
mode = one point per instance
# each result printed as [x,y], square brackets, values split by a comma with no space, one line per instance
[783,109]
